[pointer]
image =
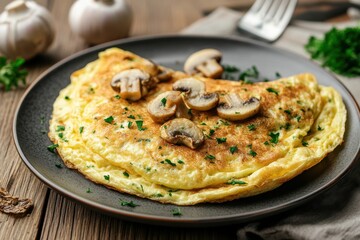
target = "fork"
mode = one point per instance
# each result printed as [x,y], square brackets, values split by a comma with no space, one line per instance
[268,19]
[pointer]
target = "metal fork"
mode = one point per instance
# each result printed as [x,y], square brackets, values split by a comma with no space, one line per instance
[267,19]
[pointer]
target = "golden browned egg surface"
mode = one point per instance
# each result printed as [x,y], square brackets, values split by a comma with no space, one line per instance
[115,142]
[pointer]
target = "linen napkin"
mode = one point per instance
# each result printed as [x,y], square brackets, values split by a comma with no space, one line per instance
[334,214]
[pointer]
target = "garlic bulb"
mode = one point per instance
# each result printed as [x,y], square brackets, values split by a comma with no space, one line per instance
[99,21]
[26,29]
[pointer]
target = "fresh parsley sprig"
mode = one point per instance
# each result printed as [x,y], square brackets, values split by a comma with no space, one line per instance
[11,73]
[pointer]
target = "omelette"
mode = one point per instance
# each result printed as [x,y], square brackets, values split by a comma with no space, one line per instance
[115,142]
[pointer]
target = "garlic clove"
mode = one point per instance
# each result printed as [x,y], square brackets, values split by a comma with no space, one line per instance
[27,29]
[98,21]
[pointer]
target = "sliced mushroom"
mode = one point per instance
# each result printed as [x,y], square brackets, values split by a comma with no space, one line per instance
[132,84]
[195,96]
[206,62]
[164,74]
[234,108]
[182,131]
[164,106]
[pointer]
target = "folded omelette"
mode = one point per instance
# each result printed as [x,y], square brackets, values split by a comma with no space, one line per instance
[114,142]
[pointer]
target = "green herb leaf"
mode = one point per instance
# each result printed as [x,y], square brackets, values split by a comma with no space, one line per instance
[67,98]
[52,147]
[234,182]
[128,204]
[168,161]
[129,124]
[139,124]
[319,128]
[126,174]
[252,153]
[11,74]
[180,162]
[287,111]
[176,212]
[58,165]
[338,50]
[131,116]
[274,137]
[233,149]
[107,177]
[272,91]
[210,157]
[60,128]
[221,140]
[251,127]
[117,96]
[211,132]
[88,190]
[81,129]
[163,101]
[305,144]
[109,119]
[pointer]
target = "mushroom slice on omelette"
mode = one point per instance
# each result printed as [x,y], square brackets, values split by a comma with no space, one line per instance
[115,142]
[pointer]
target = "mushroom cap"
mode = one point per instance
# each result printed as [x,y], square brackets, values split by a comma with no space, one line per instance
[191,86]
[132,83]
[161,110]
[199,58]
[202,101]
[182,131]
[164,74]
[235,109]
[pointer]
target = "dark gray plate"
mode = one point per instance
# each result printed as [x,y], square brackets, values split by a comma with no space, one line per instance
[172,51]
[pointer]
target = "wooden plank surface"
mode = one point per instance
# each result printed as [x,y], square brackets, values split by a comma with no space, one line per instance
[55,217]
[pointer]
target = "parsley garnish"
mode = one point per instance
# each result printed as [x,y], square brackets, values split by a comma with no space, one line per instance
[88,190]
[272,91]
[234,182]
[251,127]
[126,174]
[221,140]
[60,128]
[230,68]
[210,157]
[52,147]
[266,143]
[319,128]
[128,204]
[278,75]
[139,124]
[131,116]
[117,96]
[168,161]
[129,124]
[287,111]
[305,144]
[58,165]
[109,119]
[180,161]
[298,118]
[67,98]
[252,153]
[107,177]
[202,123]
[163,101]
[176,212]
[233,149]
[11,74]
[274,137]
[81,129]
[211,132]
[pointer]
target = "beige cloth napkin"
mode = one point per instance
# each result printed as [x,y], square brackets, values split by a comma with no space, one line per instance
[335,214]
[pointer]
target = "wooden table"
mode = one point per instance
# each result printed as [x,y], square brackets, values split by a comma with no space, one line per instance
[55,217]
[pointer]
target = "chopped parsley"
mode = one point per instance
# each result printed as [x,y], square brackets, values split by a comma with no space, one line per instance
[131,116]
[180,161]
[52,147]
[107,177]
[202,123]
[278,75]
[272,91]
[221,140]
[128,204]
[298,118]
[274,137]
[58,165]
[266,143]
[230,68]
[81,129]
[233,149]
[210,157]
[139,124]
[168,161]
[176,212]
[252,153]
[88,190]
[319,128]
[67,98]
[129,124]
[117,96]
[211,132]
[109,119]
[60,128]
[159,195]
[126,174]
[251,127]
[305,144]
[287,111]
[234,182]
[163,101]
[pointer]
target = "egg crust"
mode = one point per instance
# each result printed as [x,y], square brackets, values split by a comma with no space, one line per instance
[101,136]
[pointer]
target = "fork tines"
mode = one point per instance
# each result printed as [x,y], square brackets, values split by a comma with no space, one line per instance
[267,19]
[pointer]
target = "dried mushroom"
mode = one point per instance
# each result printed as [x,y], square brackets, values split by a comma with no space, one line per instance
[182,131]
[195,96]
[132,84]
[234,108]
[166,105]
[205,62]
[13,205]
